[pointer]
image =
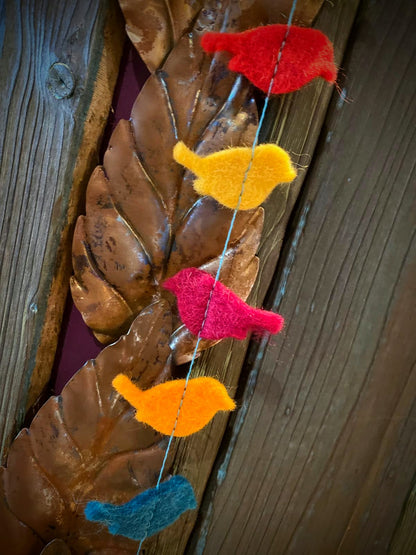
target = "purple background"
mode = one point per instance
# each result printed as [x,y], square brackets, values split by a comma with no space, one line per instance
[76,342]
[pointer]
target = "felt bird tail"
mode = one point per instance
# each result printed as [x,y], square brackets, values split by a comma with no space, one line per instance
[262,321]
[159,405]
[329,70]
[186,157]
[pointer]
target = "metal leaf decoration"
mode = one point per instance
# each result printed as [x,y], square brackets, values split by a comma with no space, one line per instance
[155,26]
[83,445]
[143,221]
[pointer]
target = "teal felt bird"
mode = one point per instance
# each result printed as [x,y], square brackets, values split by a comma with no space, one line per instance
[148,513]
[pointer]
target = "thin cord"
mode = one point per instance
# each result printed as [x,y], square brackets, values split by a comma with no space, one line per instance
[227,241]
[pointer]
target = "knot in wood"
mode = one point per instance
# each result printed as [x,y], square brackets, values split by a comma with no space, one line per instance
[61,82]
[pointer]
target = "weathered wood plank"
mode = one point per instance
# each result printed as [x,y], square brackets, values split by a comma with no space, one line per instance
[52,119]
[325,456]
[300,116]
[404,539]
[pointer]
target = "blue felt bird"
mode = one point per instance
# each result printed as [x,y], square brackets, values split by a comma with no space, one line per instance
[147,513]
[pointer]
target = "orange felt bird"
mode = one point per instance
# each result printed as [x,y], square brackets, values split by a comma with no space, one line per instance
[158,406]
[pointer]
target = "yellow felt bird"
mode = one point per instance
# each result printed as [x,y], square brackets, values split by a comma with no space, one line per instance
[221,174]
[158,406]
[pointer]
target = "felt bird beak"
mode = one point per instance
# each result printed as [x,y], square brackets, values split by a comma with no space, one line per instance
[171,284]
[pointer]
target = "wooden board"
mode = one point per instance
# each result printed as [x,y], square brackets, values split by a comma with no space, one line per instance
[300,119]
[404,539]
[321,456]
[58,68]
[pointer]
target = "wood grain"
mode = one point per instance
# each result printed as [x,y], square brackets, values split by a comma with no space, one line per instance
[50,134]
[404,539]
[321,457]
[300,119]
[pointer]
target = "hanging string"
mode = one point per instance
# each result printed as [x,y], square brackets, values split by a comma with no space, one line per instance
[226,244]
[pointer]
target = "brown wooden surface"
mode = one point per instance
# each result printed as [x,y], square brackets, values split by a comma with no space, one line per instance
[300,116]
[404,539]
[49,138]
[322,455]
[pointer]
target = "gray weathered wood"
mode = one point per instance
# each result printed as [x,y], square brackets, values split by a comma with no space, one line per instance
[322,454]
[404,539]
[58,68]
[300,117]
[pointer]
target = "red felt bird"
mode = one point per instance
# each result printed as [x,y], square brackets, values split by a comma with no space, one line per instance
[227,314]
[306,54]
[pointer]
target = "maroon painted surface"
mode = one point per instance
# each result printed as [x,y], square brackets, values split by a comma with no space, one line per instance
[76,343]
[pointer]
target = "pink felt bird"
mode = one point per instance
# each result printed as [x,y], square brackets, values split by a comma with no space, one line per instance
[227,314]
[306,54]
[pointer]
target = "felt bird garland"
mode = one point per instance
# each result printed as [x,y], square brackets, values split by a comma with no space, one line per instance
[227,314]
[158,406]
[307,53]
[148,513]
[221,174]
[276,61]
